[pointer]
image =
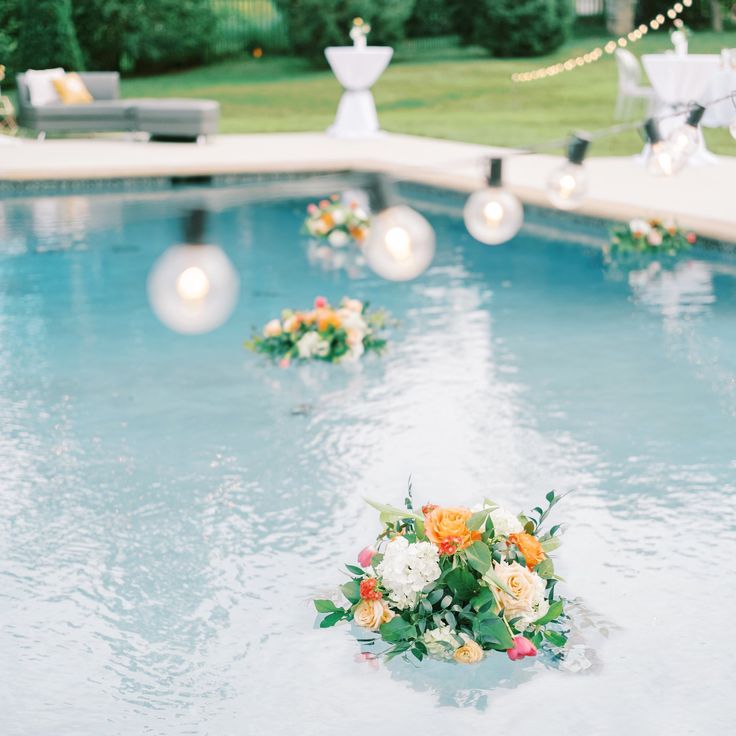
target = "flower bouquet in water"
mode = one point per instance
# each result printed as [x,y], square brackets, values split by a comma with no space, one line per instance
[337,223]
[649,237]
[451,583]
[323,333]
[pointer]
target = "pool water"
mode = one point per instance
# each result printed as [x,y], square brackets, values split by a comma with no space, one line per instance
[171,503]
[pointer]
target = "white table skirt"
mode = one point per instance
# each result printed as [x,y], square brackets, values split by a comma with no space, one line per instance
[679,80]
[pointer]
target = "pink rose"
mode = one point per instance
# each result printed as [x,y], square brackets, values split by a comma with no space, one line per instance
[284,362]
[654,237]
[312,208]
[320,302]
[691,238]
[365,556]
[522,648]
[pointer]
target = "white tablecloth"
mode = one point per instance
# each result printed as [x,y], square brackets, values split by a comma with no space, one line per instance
[678,80]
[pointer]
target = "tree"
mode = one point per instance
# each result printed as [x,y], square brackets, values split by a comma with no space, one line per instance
[46,37]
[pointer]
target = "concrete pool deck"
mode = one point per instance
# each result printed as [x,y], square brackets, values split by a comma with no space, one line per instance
[702,199]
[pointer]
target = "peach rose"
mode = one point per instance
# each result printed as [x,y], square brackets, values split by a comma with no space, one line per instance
[527,601]
[327,318]
[272,329]
[371,614]
[468,653]
[530,547]
[447,528]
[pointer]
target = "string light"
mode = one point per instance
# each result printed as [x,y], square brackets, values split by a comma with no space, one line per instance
[401,243]
[687,137]
[609,48]
[664,158]
[568,185]
[493,215]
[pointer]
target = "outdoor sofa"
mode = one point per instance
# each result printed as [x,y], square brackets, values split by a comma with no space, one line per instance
[172,118]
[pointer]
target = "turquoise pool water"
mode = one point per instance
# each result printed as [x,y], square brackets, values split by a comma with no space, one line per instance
[170,504]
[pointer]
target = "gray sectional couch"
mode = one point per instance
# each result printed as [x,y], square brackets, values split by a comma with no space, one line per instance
[161,118]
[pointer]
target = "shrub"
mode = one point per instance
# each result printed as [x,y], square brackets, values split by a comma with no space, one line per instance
[523,27]
[315,24]
[144,35]
[9,29]
[46,36]
[430,18]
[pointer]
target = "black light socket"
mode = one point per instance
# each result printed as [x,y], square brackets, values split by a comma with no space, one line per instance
[195,226]
[577,148]
[651,131]
[494,173]
[695,115]
[381,192]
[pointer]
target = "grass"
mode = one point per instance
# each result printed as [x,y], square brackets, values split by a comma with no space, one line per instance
[456,94]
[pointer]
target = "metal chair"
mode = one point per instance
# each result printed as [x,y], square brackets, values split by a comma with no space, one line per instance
[630,90]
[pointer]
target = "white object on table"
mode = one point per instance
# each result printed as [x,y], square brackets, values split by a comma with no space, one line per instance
[357,69]
[679,41]
[679,81]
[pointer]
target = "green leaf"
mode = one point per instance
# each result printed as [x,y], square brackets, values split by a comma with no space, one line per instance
[484,598]
[391,513]
[331,619]
[556,638]
[479,557]
[462,583]
[419,527]
[477,521]
[351,590]
[492,631]
[550,496]
[397,630]
[451,620]
[376,560]
[355,570]
[545,569]
[555,610]
[324,606]
[435,595]
[550,545]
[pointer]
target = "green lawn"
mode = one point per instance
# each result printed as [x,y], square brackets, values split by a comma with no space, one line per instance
[457,94]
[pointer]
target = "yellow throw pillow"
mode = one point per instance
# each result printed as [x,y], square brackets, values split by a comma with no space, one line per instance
[71,89]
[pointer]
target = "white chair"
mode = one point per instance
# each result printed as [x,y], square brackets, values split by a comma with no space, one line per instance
[630,90]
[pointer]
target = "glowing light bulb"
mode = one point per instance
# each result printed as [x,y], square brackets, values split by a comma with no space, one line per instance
[665,158]
[398,243]
[401,244]
[493,215]
[686,139]
[193,288]
[568,184]
[193,284]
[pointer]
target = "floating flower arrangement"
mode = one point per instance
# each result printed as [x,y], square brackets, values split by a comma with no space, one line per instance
[336,222]
[455,584]
[324,333]
[652,237]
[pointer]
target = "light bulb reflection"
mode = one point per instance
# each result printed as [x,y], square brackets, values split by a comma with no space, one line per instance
[193,284]
[401,244]
[732,127]
[193,289]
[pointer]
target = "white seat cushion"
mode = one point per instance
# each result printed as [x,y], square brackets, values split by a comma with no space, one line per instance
[41,85]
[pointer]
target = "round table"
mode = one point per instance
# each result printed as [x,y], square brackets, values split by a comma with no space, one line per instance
[682,79]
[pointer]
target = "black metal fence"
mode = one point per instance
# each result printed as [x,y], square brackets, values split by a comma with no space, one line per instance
[243,25]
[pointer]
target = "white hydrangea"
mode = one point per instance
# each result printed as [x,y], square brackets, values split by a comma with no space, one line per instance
[435,640]
[312,344]
[338,238]
[504,522]
[407,568]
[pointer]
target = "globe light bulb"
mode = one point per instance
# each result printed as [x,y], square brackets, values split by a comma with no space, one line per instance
[665,158]
[493,215]
[193,287]
[568,184]
[398,243]
[193,284]
[686,138]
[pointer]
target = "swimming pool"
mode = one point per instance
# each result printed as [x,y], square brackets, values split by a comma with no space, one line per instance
[171,503]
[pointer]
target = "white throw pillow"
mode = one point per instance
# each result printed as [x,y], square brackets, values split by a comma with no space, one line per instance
[41,85]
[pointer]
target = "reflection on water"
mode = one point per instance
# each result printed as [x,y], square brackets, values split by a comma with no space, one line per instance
[171,503]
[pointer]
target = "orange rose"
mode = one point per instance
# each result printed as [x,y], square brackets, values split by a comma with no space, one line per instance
[327,318]
[447,528]
[328,220]
[530,547]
